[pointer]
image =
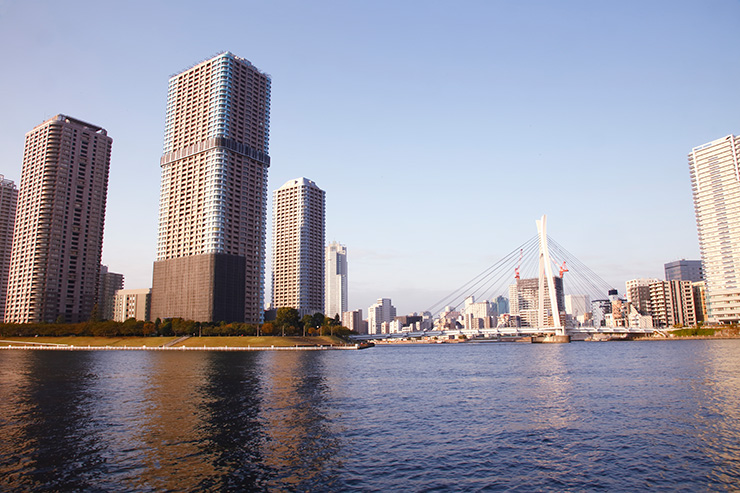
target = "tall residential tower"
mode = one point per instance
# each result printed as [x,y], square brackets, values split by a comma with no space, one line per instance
[336,280]
[715,182]
[8,204]
[298,247]
[58,237]
[213,198]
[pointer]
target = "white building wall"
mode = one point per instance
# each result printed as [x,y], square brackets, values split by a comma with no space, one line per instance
[336,279]
[577,304]
[715,181]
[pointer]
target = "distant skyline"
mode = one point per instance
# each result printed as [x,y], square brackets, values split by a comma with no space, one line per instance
[440,131]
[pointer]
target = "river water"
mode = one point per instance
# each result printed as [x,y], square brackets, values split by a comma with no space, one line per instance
[617,416]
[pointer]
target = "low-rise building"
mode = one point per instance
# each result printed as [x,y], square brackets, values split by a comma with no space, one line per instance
[353,321]
[132,303]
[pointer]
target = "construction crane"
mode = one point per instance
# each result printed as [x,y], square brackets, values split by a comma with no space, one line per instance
[518,264]
[563,269]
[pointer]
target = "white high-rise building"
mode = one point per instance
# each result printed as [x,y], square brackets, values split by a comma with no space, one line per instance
[477,314]
[336,279]
[378,314]
[298,247]
[715,182]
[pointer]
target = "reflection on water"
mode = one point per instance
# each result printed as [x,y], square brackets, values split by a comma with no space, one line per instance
[616,416]
[47,408]
[300,446]
[230,434]
[145,421]
[716,388]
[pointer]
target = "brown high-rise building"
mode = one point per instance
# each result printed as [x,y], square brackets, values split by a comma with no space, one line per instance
[8,204]
[213,200]
[58,236]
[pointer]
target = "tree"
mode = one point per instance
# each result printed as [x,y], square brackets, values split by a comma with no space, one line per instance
[287,320]
[267,329]
[318,320]
[306,322]
[165,328]
[95,313]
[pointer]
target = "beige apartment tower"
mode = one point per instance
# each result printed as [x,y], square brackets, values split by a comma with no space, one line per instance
[213,197]
[298,247]
[58,236]
[8,204]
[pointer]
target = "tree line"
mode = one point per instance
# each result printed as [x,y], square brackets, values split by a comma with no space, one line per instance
[287,323]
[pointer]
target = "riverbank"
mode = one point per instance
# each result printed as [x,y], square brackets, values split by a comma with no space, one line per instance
[724,335]
[214,343]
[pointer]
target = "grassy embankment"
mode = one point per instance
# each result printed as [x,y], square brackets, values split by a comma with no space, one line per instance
[241,341]
[719,332]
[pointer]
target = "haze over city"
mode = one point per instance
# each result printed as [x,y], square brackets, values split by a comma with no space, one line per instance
[440,131]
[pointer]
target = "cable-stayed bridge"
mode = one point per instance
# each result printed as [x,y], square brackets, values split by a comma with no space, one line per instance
[525,262]
[535,277]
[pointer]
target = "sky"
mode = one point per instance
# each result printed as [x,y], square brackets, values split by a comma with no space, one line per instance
[440,130]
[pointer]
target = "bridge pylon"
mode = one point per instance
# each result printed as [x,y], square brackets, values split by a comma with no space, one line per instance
[546,276]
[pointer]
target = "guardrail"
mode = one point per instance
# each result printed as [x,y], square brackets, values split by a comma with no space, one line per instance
[36,347]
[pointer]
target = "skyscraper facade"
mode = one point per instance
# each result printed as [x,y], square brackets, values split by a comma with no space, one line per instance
[715,182]
[525,301]
[298,246]
[58,235]
[8,204]
[213,197]
[336,279]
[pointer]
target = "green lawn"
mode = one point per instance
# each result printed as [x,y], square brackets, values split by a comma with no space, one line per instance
[83,341]
[92,341]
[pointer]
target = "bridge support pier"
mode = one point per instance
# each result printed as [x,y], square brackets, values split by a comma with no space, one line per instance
[551,339]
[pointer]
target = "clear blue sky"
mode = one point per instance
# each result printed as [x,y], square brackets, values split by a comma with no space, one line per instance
[440,130]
